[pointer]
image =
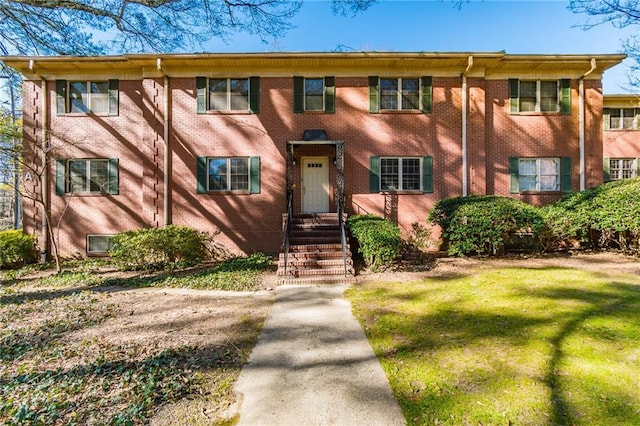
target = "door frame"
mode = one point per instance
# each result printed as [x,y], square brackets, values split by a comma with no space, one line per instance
[303,167]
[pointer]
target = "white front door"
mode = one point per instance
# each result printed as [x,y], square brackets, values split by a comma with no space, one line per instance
[315,184]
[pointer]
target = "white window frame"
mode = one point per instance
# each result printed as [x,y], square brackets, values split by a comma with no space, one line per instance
[89,103]
[617,169]
[399,93]
[99,252]
[538,106]
[229,174]
[69,187]
[634,124]
[538,174]
[305,94]
[229,94]
[400,174]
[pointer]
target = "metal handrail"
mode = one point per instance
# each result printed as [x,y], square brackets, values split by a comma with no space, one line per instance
[343,237]
[287,229]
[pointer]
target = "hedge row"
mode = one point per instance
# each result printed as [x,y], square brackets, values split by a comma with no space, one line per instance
[600,218]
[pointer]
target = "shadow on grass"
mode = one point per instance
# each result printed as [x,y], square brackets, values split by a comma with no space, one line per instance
[458,327]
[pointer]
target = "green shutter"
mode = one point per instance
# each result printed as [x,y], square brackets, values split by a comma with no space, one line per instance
[427,94]
[113,176]
[606,167]
[201,94]
[427,174]
[298,94]
[201,175]
[330,95]
[114,89]
[61,97]
[637,167]
[565,96]
[606,116]
[374,174]
[565,174]
[61,166]
[254,94]
[254,172]
[374,101]
[637,111]
[514,96]
[514,175]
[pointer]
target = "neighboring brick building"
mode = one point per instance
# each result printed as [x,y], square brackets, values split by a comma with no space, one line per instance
[621,137]
[214,141]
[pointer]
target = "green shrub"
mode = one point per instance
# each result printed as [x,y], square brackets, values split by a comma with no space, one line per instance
[484,224]
[379,239]
[603,217]
[16,249]
[160,248]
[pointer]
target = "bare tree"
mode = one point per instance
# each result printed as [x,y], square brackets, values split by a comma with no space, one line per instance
[619,14]
[68,27]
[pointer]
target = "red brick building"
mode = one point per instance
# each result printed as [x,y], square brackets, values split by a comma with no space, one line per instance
[217,141]
[621,137]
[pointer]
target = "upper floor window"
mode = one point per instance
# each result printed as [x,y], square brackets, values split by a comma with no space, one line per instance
[540,174]
[620,168]
[314,94]
[400,94]
[413,174]
[621,118]
[542,96]
[87,97]
[98,175]
[228,94]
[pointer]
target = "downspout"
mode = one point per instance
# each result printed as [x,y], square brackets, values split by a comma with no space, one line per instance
[581,129]
[465,178]
[167,151]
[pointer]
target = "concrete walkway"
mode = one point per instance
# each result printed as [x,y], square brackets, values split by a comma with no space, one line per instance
[314,366]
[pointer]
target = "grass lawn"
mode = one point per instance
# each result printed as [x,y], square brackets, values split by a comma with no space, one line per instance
[509,345]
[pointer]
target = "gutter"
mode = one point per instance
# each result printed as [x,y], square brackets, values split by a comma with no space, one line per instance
[465,177]
[581,119]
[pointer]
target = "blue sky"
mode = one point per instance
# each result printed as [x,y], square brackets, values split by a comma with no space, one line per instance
[543,26]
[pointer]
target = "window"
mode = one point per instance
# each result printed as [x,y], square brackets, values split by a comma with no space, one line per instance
[400,94]
[87,97]
[530,96]
[228,174]
[87,176]
[228,94]
[540,174]
[401,174]
[621,118]
[620,168]
[314,94]
[99,244]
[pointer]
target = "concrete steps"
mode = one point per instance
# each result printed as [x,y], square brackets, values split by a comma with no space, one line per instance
[315,252]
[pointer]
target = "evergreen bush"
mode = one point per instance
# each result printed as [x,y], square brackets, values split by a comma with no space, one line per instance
[168,247]
[378,238]
[484,224]
[16,249]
